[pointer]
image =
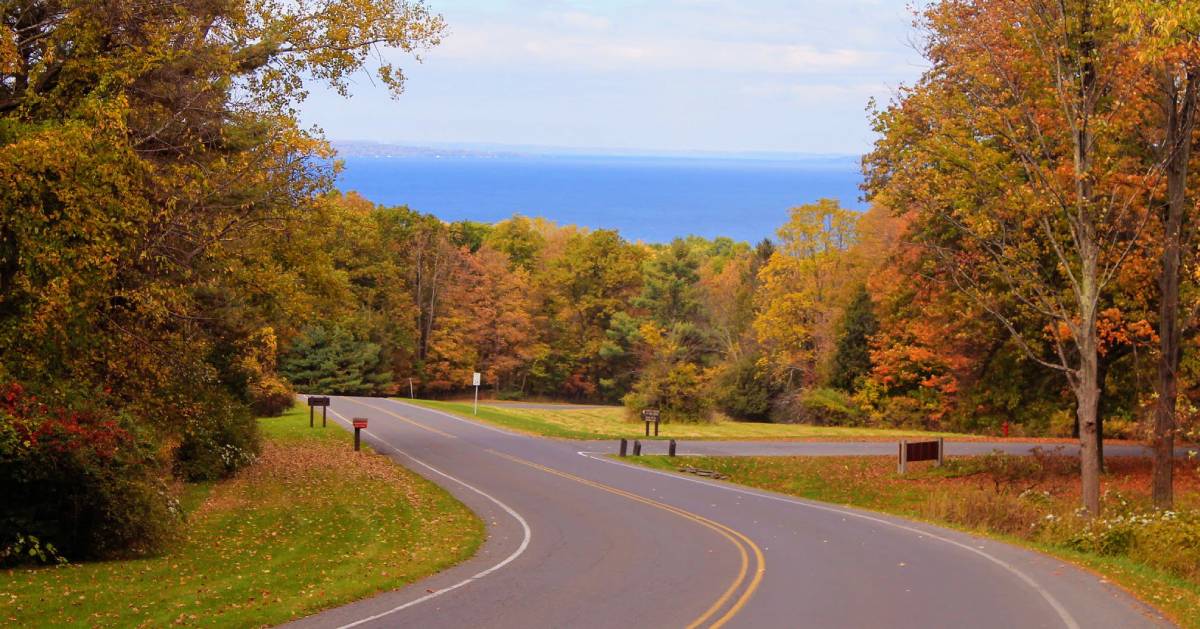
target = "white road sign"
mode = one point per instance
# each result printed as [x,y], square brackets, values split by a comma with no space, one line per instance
[475,380]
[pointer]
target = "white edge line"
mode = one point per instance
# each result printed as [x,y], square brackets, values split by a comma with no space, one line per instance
[507,560]
[1063,614]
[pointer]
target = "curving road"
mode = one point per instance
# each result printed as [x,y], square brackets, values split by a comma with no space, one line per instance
[579,540]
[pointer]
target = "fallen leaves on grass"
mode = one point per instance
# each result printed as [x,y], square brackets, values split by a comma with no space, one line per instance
[311,524]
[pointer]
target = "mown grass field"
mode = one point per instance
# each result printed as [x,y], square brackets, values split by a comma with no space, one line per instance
[1002,502]
[612,422]
[310,525]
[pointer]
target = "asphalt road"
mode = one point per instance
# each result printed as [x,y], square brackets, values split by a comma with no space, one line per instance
[578,540]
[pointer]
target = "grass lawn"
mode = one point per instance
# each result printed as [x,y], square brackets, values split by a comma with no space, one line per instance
[1161,565]
[611,422]
[310,525]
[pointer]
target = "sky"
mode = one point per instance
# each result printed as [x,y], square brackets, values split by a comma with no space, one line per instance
[648,75]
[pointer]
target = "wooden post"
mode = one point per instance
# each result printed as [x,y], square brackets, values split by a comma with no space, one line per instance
[941,451]
[624,446]
[311,410]
[903,467]
[671,450]
[655,426]
[359,424]
[324,409]
[637,448]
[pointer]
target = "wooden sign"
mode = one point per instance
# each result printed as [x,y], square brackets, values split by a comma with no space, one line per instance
[911,451]
[650,415]
[318,401]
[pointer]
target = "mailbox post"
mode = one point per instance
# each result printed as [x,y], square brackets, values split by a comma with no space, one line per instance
[650,415]
[313,403]
[360,424]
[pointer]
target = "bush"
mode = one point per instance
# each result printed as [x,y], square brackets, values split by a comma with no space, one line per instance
[219,437]
[78,484]
[680,394]
[1006,471]
[902,411]
[743,392]
[1169,540]
[820,407]
[270,397]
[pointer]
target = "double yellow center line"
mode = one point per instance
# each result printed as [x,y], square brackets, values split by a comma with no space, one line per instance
[745,546]
[407,420]
[748,577]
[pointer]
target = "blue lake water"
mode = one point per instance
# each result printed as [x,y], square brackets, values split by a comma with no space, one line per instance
[650,199]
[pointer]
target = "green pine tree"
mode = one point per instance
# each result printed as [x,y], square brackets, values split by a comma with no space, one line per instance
[852,360]
[332,360]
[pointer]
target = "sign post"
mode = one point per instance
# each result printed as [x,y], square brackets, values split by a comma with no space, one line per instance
[475,380]
[360,423]
[650,415]
[313,402]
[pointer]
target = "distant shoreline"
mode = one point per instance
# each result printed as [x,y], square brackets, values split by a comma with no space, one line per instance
[362,148]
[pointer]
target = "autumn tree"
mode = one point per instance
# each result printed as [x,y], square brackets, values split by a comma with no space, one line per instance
[152,166]
[519,239]
[1167,37]
[589,279]
[499,311]
[1012,150]
[803,287]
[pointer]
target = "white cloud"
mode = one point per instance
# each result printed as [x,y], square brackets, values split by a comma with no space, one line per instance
[819,93]
[660,74]
[506,45]
[580,20]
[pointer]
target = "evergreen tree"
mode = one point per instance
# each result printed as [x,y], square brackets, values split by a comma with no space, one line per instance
[670,290]
[331,360]
[852,359]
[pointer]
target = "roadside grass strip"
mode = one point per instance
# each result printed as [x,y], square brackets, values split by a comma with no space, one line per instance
[1154,556]
[613,422]
[309,526]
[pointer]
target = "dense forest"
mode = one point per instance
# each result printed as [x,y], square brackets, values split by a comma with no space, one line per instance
[174,259]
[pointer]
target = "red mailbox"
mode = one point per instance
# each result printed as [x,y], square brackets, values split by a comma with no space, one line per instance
[359,424]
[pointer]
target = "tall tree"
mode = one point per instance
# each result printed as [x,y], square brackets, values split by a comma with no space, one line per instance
[803,289]
[669,290]
[1012,149]
[852,359]
[1167,35]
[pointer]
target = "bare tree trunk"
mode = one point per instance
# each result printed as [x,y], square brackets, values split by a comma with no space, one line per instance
[1086,379]
[1101,407]
[1087,393]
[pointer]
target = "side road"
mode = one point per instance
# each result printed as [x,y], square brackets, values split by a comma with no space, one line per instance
[586,541]
[859,448]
